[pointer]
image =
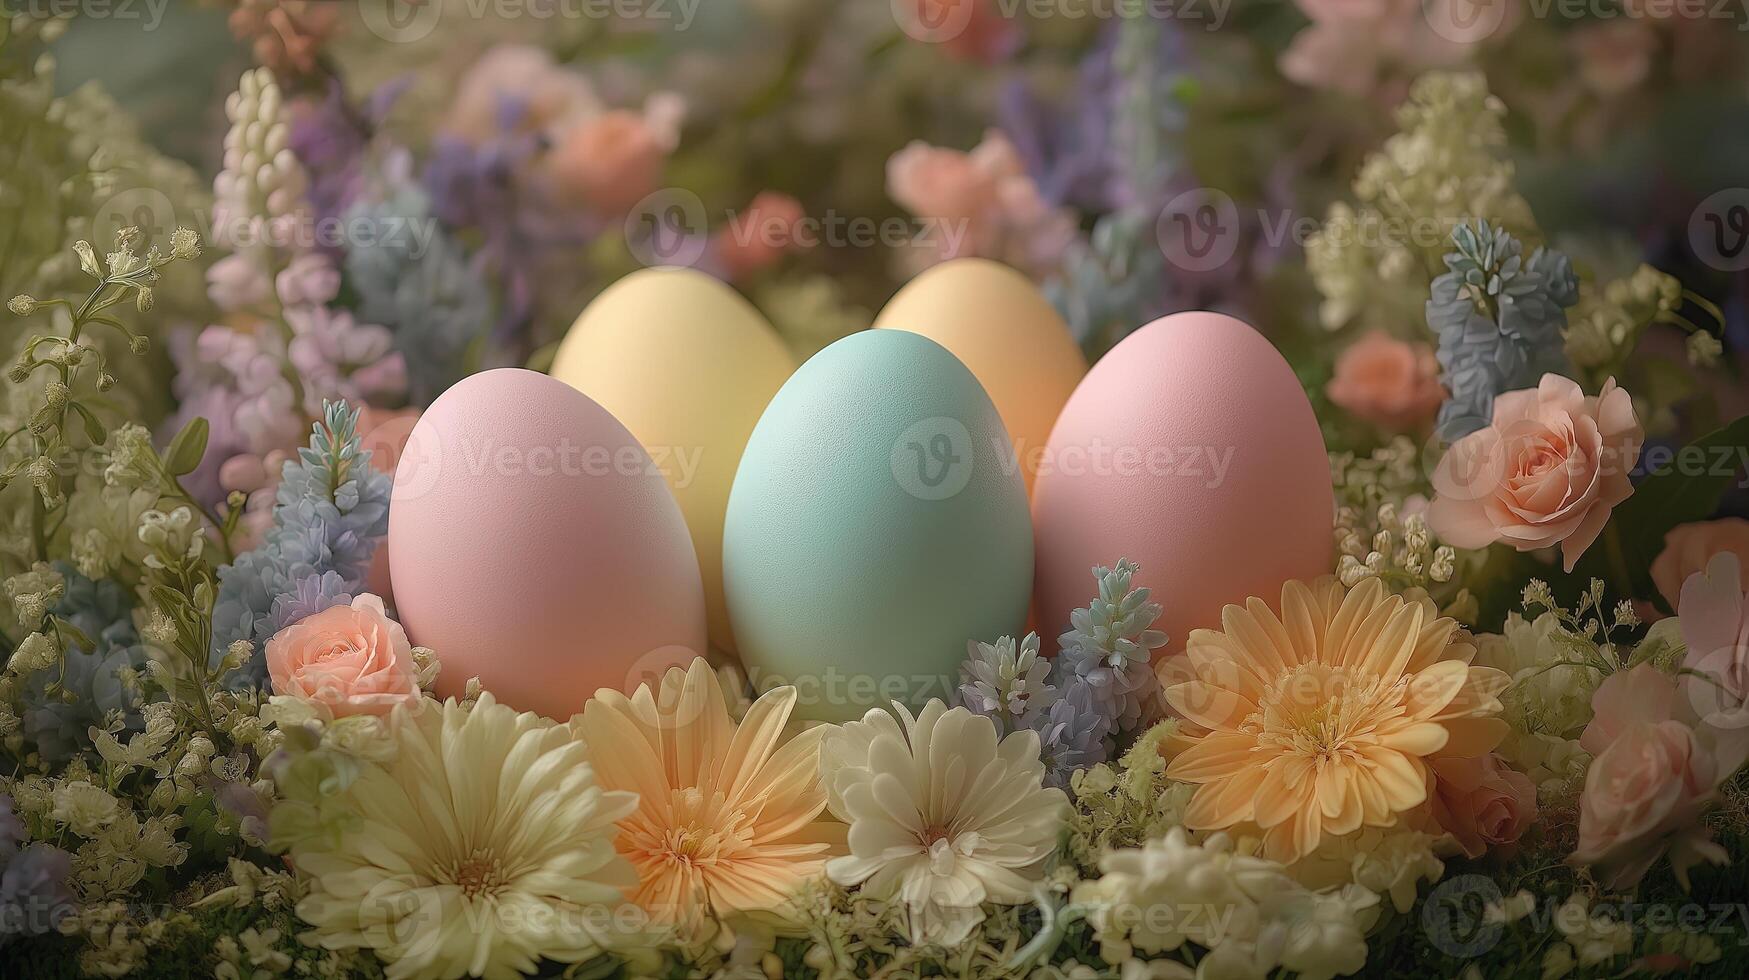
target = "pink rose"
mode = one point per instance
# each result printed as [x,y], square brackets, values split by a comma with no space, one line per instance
[982,203]
[760,236]
[1689,548]
[1548,471]
[612,161]
[1482,802]
[1714,616]
[1649,780]
[354,660]
[1388,382]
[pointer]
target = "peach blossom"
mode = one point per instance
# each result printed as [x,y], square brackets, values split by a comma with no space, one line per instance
[1649,780]
[760,236]
[1714,615]
[353,660]
[1482,802]
[1547,472]
[1689,548]
[1388,382]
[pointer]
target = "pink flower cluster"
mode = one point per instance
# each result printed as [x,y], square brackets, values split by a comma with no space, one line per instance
[981,203]
[1662,745]
[603,159]
[1370,47]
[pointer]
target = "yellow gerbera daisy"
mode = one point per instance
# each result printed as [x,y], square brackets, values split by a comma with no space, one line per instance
[1320,721]
[729,818]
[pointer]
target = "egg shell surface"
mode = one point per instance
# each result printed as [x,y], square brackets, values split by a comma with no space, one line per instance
[688,366]
[878,523]
[533,545]
[1004,329]
[1191,450]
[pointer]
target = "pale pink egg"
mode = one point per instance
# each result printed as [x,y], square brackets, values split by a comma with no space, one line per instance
[534,545]
[1191,450]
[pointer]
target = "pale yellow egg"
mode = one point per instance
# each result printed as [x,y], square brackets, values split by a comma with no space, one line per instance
[1001,327]
[688,366]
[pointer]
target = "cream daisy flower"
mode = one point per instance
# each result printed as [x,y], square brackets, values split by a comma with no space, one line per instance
[942,816]
[1322,720]
[730,817]
[484,846]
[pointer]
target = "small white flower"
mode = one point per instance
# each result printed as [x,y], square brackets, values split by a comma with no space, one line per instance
[84,808]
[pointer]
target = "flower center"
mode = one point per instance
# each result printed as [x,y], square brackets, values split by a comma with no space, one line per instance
[479,874]
[1321,711]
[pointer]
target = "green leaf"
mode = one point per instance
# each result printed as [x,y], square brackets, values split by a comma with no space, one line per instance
[93,428]
[1684,490]
[80,638]
[187,448]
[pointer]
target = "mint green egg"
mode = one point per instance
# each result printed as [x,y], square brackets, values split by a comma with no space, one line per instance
[878,522]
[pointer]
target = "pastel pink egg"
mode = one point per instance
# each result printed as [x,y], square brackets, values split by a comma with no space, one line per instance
[534,545]
[1191,450]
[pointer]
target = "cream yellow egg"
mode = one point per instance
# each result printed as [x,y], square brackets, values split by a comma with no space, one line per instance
[1001,327]
[688,366]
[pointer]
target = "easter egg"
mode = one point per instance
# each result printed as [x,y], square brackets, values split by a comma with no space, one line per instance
[1190,449]
[687,365]
[878,523]
[534,544]
[1001,327]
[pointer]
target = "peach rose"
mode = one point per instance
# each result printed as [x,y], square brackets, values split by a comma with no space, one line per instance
[1649,780]
[1388,382]
[1548,471]
[1688,548]
[614,160]
[353,660]
[1482,802]
[765,231]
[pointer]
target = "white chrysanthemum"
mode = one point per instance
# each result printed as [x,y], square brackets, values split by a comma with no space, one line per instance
[1172,890]
[1245,911]
[1392,862]
[1553,674]
[942,816]
[485,846]
[1325,932]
